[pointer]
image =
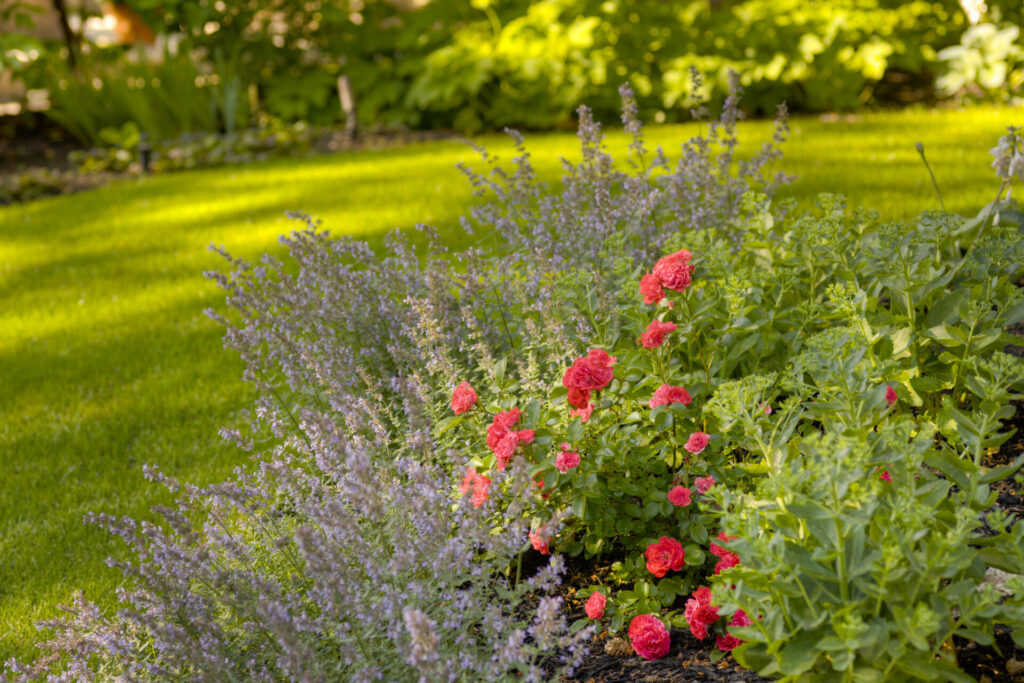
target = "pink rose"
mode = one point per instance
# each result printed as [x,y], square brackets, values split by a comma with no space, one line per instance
[566,460]
[595,605]
[890,395]
[664,555]
[697,442]
[654,336]
[674,271]
[885,476]
[540,542]
[651,289]
[679,496]
[704,483]
[727,643]
[667,394]
[525,436]
[649,637]
[463,398]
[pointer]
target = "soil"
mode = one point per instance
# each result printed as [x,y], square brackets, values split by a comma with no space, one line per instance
[689,660]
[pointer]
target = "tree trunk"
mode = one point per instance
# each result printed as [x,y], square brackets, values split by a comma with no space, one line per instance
[70,40]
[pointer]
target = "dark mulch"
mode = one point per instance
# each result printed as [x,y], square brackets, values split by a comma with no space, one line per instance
[1004,665]
[687,661]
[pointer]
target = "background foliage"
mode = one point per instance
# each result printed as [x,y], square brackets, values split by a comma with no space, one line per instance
[529,63]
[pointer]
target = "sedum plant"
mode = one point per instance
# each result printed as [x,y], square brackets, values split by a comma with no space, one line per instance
[858,562]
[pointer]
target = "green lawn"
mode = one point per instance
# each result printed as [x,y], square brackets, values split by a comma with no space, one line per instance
[109,363]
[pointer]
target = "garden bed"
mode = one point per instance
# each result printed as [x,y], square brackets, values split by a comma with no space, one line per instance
[44,160]
[771,431]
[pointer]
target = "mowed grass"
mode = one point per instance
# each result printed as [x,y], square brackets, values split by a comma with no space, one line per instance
[107,361]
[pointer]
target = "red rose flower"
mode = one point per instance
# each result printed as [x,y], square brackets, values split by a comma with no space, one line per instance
[600,358]
[697,442]
[700,613]
[578,398]
[505,448]
[480,488]
[540,542]
[654,336]
[717,550]
[479,483]
[651,289]
[463,398]
[728,561]
[890,395]
[740,618]
[566,459]
[885,476]
[595,605]
[664,555]
[667,394]
[679,496]
[704,483]
[649,637]
[674,271]
[727,643]
[507,419]
[582,413]
[503,440]
[587,376]
[467,481]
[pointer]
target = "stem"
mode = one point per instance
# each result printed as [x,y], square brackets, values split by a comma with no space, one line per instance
[935,184]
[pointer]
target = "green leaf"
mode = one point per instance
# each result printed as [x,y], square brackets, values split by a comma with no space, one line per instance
[1018,637]
[799,654]
[662,418]
[578,625]
[946,335]
[447,423]
[950,672]
[499,371]
[579,507]
[574,432]
[901,341]
[1000,473]
[952,466]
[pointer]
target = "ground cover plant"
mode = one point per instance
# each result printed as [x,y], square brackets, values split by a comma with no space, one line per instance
[270,227]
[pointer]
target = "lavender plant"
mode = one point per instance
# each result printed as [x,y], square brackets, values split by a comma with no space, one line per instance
[321,565]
